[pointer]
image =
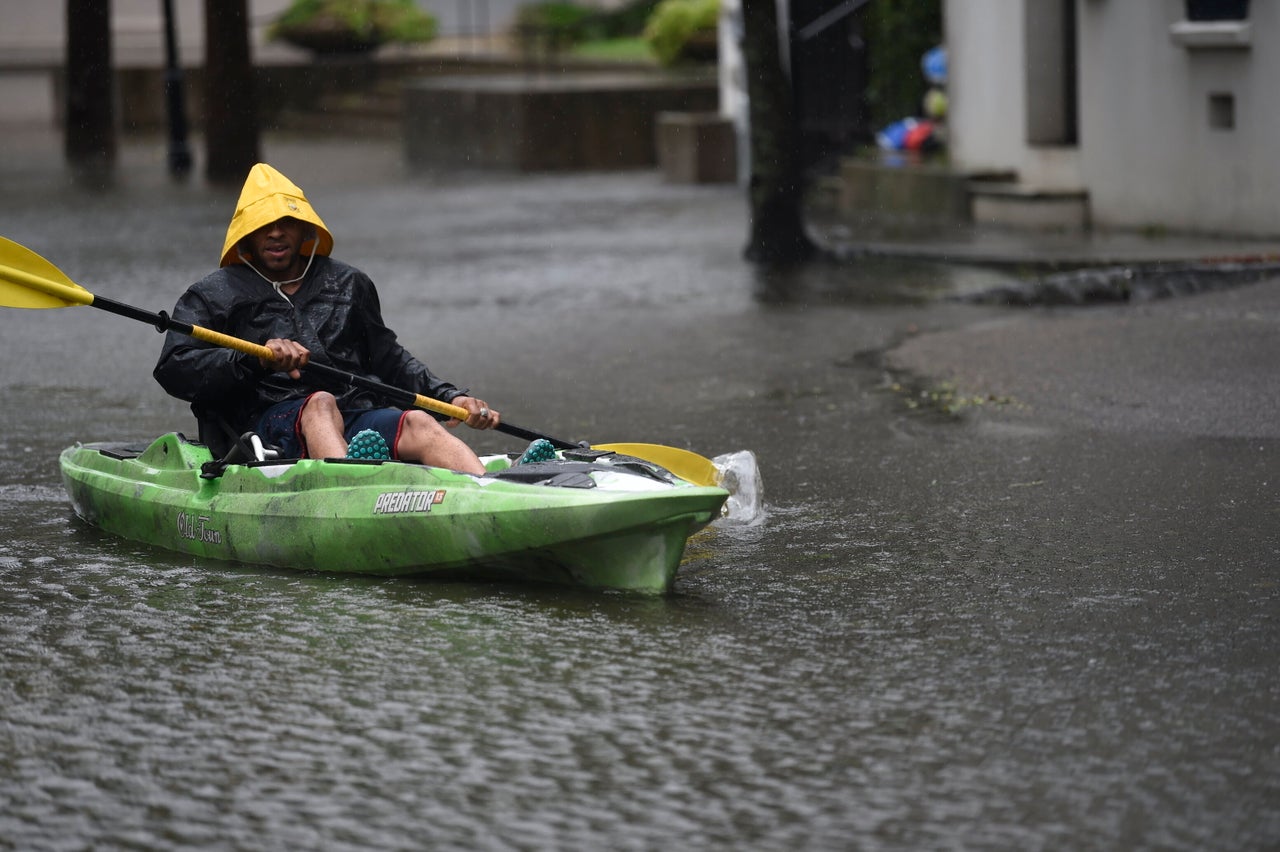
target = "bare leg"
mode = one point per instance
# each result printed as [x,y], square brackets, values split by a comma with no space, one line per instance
[423,439]
[321,425]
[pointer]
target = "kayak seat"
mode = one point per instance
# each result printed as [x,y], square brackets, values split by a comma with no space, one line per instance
[247,448]
[217,434]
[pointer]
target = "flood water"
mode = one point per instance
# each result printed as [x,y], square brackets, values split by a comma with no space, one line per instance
[947,632]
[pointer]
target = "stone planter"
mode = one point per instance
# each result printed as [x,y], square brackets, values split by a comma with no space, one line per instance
[696,147]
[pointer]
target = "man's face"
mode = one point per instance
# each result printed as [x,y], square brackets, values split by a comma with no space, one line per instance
[277,246]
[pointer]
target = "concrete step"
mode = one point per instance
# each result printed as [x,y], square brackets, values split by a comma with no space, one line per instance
[917,191]
[1019,206]
[909,191]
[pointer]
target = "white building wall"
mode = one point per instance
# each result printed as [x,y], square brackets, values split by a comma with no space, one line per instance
[1147,155]
[985,112]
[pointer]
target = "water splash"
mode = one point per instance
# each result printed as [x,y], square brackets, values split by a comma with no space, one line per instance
[740,474]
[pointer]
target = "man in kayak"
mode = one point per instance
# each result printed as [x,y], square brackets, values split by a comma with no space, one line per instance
[276,284]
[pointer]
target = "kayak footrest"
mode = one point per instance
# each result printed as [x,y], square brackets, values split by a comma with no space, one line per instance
[558,474]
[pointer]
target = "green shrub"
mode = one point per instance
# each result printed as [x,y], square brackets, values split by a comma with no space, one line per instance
[674,24]
[555,25]
[374,21]
[555,21]
[626,21]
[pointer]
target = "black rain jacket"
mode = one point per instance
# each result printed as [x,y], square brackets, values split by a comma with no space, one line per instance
[335,314]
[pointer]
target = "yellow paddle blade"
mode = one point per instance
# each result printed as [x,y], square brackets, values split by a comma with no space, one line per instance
[687,465]
[27,280]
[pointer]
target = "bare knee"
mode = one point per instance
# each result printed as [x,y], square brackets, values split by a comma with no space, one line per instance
[321,426]
[417,426]
[320,402]
[321,411]
[424,439]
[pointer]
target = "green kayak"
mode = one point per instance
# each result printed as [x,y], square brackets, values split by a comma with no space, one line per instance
[589,518]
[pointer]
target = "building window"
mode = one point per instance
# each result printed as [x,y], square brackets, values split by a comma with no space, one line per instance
[1049,33]
[1217,10]
[1222,111]
[1214,25]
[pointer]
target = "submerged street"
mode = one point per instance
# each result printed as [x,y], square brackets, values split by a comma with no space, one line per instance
[1015,584]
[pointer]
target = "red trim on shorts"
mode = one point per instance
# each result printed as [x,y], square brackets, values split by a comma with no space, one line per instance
[297,426]
[395,445]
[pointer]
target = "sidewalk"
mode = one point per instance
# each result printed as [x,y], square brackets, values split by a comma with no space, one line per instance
[1058,267]
[1048,250]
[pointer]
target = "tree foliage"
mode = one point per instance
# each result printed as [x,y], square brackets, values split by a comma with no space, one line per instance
[675,22]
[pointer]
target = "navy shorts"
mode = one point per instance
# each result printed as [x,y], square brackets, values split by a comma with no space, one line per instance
[279,426]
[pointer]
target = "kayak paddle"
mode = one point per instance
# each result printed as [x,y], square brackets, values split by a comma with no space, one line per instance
[27,280]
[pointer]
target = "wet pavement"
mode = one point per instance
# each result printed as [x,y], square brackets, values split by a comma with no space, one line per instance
[1015,588]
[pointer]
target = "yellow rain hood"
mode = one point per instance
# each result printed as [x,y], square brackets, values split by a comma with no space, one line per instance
[267,196]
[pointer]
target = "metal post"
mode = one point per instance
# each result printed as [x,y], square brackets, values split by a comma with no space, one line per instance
[179,152]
